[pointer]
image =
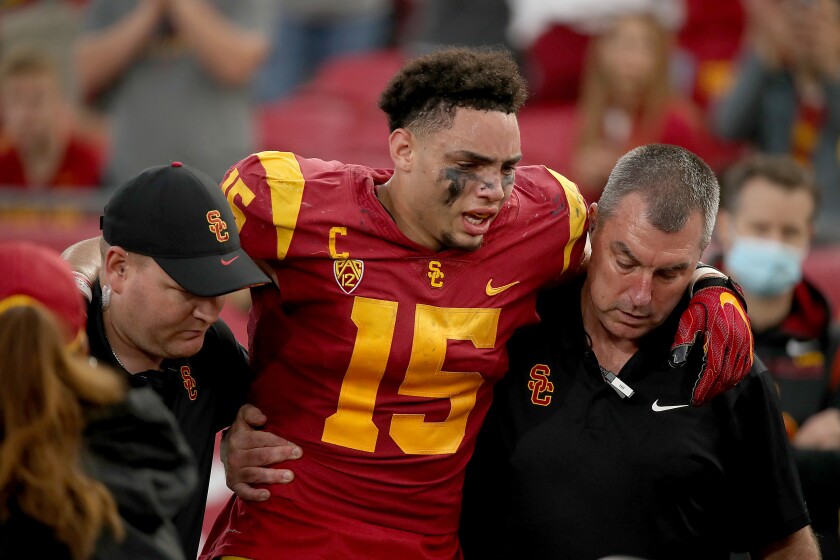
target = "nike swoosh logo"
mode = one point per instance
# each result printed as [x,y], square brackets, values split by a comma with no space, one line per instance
[491,291]
[657,408]
[225,263]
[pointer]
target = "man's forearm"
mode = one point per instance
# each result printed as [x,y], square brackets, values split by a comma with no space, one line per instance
[232,54]
[102,56]
[801,545]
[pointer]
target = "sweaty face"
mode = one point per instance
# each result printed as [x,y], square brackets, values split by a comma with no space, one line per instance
[637,273]
[158,317]
[460,177]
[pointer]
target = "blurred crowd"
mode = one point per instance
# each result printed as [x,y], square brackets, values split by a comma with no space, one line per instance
[93,91]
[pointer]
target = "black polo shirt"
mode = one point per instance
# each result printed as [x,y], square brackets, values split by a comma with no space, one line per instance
[567,468]
[203,392]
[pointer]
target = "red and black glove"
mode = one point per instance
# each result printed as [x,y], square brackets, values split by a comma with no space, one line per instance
[714,339]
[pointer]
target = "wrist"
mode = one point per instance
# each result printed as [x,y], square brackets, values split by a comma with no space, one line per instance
[725,282]
[703,271]
[713,281]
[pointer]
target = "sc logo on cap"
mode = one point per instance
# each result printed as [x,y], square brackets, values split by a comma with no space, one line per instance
[217,226]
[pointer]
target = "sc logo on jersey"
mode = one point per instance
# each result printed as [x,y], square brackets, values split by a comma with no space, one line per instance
[435,274]
[541,388]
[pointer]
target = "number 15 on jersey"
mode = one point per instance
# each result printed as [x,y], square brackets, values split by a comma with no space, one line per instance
[352,424]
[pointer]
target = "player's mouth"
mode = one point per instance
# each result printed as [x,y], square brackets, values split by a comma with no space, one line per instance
[476,218]
[477,223]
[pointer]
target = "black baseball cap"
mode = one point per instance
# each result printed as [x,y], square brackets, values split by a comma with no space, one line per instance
[178,216]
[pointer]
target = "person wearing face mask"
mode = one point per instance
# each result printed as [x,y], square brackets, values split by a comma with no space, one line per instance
[765,229]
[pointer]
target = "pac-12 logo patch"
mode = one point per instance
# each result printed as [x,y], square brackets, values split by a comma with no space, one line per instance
[348,273]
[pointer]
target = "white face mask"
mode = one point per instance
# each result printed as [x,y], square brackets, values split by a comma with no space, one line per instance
[763,267]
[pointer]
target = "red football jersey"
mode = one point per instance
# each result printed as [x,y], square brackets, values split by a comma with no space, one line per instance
[377,355]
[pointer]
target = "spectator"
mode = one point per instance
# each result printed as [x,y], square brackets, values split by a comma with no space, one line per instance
[708,45]
[174,76]
[48,25]
[627,101]
[39,147]
[87,468]
[765,229]
[786,98]
[308,33]
[553,35]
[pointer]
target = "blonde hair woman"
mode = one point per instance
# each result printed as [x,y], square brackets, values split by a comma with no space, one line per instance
[45,394]
[626,100]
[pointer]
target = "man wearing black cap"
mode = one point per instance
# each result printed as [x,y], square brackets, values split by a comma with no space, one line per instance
[170,251]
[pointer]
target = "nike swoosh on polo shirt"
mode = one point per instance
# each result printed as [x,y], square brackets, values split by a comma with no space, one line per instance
[656,407]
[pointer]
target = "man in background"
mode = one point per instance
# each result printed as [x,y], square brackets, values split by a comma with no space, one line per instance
[765,228]
[785,98]
[174,78]
[39,148]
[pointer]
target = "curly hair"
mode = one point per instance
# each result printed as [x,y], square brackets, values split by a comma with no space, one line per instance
[425,93]
[46,392]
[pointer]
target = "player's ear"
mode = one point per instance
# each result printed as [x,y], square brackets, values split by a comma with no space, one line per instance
[593,216]
[401,143]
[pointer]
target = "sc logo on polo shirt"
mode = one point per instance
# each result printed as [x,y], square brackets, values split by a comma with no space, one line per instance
[189,382]
[541,388]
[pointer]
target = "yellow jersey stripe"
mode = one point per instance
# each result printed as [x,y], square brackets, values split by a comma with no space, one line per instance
[577,215]
[285,182]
